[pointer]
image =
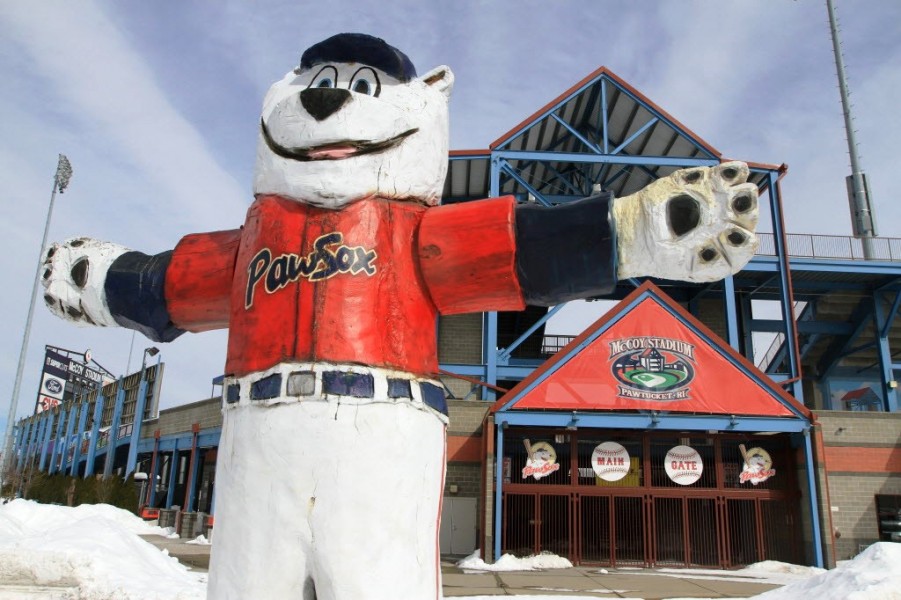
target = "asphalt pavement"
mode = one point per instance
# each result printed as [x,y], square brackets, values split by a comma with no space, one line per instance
[590,582]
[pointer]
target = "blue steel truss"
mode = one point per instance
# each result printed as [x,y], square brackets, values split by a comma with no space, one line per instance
[602,132]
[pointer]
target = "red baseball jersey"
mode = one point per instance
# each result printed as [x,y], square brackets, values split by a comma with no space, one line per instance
[363,284]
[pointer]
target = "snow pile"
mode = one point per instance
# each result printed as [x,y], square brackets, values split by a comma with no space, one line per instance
[94,548]
[874,574]
[200,540]
[508,562]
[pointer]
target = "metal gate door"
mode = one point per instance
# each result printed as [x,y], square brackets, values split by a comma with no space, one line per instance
[645,518]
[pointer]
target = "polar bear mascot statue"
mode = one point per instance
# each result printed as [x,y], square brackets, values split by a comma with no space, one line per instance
[332,457]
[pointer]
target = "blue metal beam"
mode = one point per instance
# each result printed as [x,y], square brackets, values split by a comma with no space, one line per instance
[173,471]
[620,159]
[58,443]
[821,327]
[23,445]
[95,435]
[504,354]
[731,314]
[814,502]
[70,429]
[785,285]
[506,168]
[45,445]
[884,354]
[498,490]
[632,137]
[141,402]
[82,423]
[860,318]
[588,143]
[654,421]
[114,429]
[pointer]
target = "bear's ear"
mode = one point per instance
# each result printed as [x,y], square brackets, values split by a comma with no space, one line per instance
[442,78]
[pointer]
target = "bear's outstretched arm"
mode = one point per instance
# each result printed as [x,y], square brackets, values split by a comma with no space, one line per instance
[90,282]
[497,255]
[693,225]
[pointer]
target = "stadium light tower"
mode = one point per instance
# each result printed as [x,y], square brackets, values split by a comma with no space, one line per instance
[863,221]
[60,182]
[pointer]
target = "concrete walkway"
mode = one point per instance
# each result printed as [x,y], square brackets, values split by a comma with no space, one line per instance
[590,582]
[595,582]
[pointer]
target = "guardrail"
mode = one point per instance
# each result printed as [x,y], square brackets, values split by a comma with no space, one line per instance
[831,246]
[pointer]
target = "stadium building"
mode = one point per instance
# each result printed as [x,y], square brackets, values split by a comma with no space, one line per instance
[653,438]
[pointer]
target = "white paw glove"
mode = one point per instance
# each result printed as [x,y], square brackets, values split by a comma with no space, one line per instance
[74,275]
[695,225]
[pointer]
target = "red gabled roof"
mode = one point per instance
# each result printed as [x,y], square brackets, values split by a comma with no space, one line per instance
[598,370]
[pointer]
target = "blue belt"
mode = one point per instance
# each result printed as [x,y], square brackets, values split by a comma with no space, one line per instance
[339,383]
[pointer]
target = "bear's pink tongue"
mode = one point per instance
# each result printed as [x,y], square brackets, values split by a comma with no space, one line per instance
[332,152]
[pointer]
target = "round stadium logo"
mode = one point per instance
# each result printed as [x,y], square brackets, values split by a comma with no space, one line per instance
[652,368]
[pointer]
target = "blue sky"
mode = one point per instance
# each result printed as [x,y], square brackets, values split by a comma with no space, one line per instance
[156,106]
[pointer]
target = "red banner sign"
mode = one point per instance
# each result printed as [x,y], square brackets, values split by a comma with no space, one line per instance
[651,360]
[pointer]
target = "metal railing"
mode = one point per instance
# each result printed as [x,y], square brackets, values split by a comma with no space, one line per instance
[831,246]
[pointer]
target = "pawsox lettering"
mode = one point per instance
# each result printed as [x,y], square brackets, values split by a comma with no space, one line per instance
[329,257]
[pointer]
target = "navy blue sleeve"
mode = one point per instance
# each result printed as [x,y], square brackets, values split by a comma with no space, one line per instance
[566,252]
[135,293]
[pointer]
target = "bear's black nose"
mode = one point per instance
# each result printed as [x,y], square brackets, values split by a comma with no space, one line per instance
[321,103]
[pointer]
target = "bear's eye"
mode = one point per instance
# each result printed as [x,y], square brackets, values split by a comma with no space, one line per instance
[361,86]
[365,81]
[327,77]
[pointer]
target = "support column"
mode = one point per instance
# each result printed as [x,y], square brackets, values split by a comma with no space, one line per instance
[136,425]
[813,498]
[192,470]
[731,314]
[173,475]
[82,423]
[54,456]
[23,445]
[498,491]
[45,445]
[884,353]
[70,429]
[114,429]
[95,435]
[154,467]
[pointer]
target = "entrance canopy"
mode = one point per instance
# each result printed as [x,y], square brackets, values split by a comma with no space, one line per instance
[648,363]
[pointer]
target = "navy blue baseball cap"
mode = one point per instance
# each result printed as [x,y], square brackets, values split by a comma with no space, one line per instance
[360,48]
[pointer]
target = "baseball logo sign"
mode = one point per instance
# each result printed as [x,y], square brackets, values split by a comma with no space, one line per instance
[610,461]
[757,467]
[683,465]
[652,368]
[541,461]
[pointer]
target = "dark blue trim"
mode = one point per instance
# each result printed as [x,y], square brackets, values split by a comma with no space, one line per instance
[565,252]
[433,396]
[363,49]
[135,294]
[233,393]
[356,385]
[399,388]
[266,388]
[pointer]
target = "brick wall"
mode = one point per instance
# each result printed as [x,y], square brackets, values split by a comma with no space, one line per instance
[863,458]
[180,419]
[460,339]
[466,416]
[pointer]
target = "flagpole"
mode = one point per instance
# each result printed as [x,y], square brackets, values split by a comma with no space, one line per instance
[60,182]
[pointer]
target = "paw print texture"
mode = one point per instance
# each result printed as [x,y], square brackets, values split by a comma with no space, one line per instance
[695,225]
[73,277]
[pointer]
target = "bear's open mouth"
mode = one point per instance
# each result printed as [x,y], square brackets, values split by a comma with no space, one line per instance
[334,150]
